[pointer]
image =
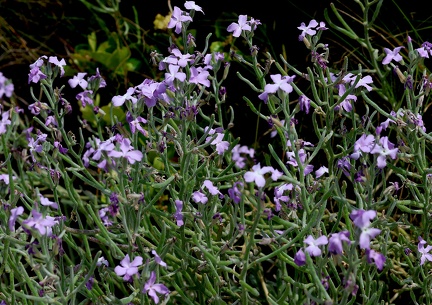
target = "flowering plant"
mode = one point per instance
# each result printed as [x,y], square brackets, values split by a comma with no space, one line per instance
[156,201]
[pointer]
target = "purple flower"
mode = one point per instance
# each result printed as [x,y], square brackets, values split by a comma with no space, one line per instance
[178,216]
[221,146]
[364,82]
[14,216]
[119,100]
[6,86]
[174,74]
[89,284]
[102,261]
[4,121]
[43,225]
[235,193]
[136,125]
[257,174]
[127,151]
[335,241]
[210,187]
[365,143]
[346,103]
[321,171]
[300,258]
[279,195]
[366,236]
[46,202]
[242,25]
[177,19]
[199,76]
[152,289]
[313,245]
[190,5]
[158,260]
[304,103]
[78,80]
[279,83]
[307,29]
[85,97]
[199,197]
[392,55]
[385,149]
[128,268]
[424,251]
[59,64]
[376,257]
[36,75]
[362,218]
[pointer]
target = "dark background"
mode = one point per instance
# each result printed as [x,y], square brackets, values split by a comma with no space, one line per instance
[29,29]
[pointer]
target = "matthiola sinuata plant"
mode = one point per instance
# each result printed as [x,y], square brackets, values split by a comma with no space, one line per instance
[155,201]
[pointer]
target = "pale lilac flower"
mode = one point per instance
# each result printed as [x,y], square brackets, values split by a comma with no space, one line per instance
[376,257]
[4,121]
[177,19]
[54,60]
[5,178]
[242,25]
[46,202]
[178,216]
[36,75]
[152,289]
[366,236]
[280,196]
[174,74]
[365,143]
[78,80]
[364,82]
[199,197]
[424,251]
[39,62]
[313,245]
[178,58]
[335,242]
[321,171]
[158,260]
[361,218]
[300,258]
[136,125]
[238,158]
[102,261]
[392,55]
[221,146]
[257,174]
[38,222]
[127,151]
[6,86]
[190,5]
[386,148]
[346,103]
[279,83]
[127,268]
[50,120]
[423,52]
[307,29]
[14,216]
[119,100]
[210,187]
[199,76]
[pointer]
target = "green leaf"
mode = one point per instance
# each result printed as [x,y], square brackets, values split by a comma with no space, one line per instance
[92,41]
